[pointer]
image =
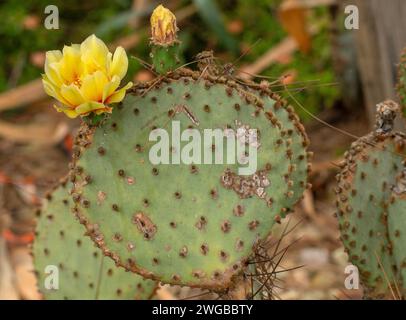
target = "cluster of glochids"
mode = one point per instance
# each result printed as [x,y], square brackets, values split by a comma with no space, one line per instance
[192,224]
[371,202]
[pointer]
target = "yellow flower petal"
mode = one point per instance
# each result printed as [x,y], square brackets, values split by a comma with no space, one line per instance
[88,107]
[100,111]
[69,112]
[70,66]
[53,74]
[119,95]
[49,87]
[94,54]
[100,80]
[51,59]
[53,56]
[119,64]
[110,87]
[72,94]
[93,86]
[108,63]
[52,90]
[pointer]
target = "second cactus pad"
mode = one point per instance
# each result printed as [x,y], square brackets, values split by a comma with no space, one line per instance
[68,264]
[188,222]
[363,194]
[397,230]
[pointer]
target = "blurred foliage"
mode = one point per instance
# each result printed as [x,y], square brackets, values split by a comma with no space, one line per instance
[78,19]
[209,10]
[260,21]
[207,30]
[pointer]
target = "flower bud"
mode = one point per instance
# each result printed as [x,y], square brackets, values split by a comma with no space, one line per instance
[163,27]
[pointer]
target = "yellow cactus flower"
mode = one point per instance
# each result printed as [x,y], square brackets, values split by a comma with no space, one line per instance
[163,26]
[85,78]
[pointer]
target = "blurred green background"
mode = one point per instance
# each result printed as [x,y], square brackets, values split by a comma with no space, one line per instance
[229,27]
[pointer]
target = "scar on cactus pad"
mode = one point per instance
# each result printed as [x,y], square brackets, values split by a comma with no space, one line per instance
[65,258]
[371,216]
[187,224]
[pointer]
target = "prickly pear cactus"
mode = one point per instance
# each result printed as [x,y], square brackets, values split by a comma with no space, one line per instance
[84,273]
[397,228]
[188,224]
[364,190]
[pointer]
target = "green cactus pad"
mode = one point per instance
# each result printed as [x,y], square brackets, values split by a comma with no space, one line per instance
[84,273]
[362,195]
[397,230]
[192,225]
